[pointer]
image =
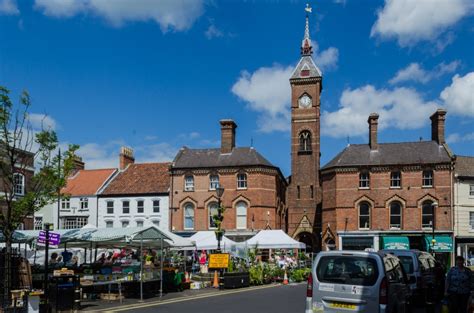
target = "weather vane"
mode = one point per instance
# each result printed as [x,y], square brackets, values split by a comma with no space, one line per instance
[308,8]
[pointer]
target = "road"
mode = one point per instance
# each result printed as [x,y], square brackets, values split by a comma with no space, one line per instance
[272,299]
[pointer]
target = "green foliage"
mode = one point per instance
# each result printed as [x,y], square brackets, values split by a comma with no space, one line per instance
[256,275]
[299,274]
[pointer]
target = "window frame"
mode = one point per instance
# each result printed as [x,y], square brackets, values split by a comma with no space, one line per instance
[364,179]
[399,215]
[471,190]
[209,211]
[65,203]
[188,183]
[242,181]
[430,203]
[123,206]
[213,181]
[84,203]
[142,207]
[109,222]
[241,216]
[305,143]
[396,182]
[429,179]
[368,215]
[18,185]
[156,206]
[471,220]
[125,222]
[74,222]
[192,217]
[107,207]
[38,220]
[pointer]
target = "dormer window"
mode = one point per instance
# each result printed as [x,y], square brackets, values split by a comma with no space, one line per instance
[305,141]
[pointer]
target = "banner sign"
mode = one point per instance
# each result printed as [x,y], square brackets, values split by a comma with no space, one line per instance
[54,238]
[220,260]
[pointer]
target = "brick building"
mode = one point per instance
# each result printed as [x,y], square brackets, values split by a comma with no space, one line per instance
[381,195]
[254,189]
[304,191]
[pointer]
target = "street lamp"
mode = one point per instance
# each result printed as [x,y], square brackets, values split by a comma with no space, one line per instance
[219,193]
[434,205]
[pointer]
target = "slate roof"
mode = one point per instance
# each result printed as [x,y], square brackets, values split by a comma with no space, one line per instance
[306,63]
[402,153]
[144,178]
[464,166]
[87,182]
[211,158]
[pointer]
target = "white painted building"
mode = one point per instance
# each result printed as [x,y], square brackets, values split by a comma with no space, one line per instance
[464,207]
[137,196]
[78,206]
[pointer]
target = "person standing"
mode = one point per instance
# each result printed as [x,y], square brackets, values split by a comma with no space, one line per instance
[459,284]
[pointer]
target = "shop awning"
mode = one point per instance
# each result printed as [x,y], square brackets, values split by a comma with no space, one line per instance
[443,243]
[395,243]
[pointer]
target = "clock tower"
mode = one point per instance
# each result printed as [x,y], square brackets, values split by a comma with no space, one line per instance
[304,191]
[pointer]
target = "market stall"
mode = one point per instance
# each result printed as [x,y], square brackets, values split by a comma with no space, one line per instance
[273,239]
[206,240]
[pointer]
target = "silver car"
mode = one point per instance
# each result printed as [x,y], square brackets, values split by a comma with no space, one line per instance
[358,281]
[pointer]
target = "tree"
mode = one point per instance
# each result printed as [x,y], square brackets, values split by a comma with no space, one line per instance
[23,190]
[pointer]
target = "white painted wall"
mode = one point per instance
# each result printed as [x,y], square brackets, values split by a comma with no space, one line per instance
[463,204]
[147,217]
[50,212]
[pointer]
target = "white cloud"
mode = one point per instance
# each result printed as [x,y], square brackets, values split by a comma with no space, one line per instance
[455,137]
[106,155]
[392,106]
[459,96]
[169,14]
[8,7]
[213,32]
[327,59]
[412,21]
[41,121]
[267,91]
[414,72]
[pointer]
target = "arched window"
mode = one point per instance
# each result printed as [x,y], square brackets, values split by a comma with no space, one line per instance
[305,141]
[241,211]
[427,214]
[212,209]
[189,216]
[364,215]
[18,184]
[395,215]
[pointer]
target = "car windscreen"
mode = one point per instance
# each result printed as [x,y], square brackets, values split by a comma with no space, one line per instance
[347,270]
[407,263]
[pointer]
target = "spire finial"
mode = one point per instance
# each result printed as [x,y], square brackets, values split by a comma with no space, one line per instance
[306,48]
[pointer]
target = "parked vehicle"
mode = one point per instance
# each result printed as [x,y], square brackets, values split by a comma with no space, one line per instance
[426,276]
[357,281]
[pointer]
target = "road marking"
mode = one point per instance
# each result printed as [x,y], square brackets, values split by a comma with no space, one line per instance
[182,299]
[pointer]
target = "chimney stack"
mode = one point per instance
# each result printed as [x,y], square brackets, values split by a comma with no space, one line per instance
[77,164]
[227,135]
[373,123]
[126,157]
[437,126]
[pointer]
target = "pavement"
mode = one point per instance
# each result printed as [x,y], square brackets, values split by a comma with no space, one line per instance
[268,298]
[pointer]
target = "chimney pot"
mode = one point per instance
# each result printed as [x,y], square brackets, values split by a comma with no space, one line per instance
[126,157]
[77,164]
[437,126]
[228,127]
[373,121]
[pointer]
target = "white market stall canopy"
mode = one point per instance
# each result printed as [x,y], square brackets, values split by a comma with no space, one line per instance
[206,240]
[274,239]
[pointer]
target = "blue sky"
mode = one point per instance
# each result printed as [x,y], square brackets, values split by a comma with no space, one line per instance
[157,75]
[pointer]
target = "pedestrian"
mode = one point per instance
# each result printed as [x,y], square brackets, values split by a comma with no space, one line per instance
[459,284]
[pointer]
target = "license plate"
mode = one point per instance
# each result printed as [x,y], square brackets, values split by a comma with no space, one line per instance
[340,305]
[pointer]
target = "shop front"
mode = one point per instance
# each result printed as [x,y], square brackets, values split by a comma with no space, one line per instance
[465,248]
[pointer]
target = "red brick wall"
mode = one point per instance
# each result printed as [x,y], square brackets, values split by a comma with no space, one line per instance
[264,196]
[342,193]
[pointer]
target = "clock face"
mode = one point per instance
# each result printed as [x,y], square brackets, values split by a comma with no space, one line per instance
[305,102]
